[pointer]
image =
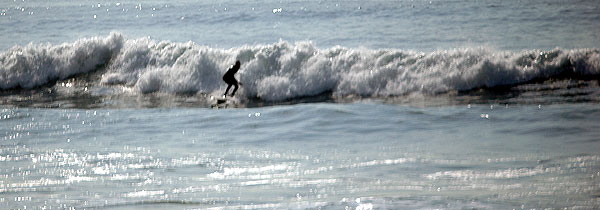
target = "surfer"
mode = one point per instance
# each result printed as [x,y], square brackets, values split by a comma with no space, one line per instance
[230,79]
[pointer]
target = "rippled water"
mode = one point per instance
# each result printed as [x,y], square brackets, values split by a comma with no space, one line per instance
[329,156]
[405,24]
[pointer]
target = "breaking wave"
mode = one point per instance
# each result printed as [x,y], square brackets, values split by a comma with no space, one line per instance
[283,70]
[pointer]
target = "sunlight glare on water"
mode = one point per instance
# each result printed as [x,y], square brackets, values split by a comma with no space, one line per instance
[443,157]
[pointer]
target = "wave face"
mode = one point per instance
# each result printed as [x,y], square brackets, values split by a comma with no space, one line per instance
[282,70]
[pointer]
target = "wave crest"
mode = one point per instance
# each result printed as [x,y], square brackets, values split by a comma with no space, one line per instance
[284,70]
[36,65]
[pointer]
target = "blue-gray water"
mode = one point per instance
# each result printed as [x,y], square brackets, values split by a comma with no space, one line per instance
[344,105]
[404,24]
[306,156]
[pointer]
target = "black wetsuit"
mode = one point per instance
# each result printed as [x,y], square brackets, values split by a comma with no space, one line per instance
[230,79]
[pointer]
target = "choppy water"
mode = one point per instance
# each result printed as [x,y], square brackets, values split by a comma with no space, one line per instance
[345,105]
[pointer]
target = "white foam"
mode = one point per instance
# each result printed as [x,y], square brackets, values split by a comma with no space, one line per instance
[283,70]
[167,67]
[35,65]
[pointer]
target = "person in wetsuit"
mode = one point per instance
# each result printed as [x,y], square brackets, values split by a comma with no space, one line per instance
[230,79]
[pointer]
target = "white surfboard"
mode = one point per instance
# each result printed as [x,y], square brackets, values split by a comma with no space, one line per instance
[223,101]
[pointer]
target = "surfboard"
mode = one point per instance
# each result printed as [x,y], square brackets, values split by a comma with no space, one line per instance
[222,101]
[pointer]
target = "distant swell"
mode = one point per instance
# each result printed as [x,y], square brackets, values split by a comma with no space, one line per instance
[283,70]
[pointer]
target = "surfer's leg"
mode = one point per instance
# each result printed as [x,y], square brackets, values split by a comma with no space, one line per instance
[234,82]
[235,87]
[227,90]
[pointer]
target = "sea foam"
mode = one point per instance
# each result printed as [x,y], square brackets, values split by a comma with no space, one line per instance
[284,70]
[36,65]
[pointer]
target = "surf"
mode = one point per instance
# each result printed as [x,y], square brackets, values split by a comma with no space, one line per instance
[282,71]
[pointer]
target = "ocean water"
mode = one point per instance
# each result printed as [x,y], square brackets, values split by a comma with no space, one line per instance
[306,156]
[344,104]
